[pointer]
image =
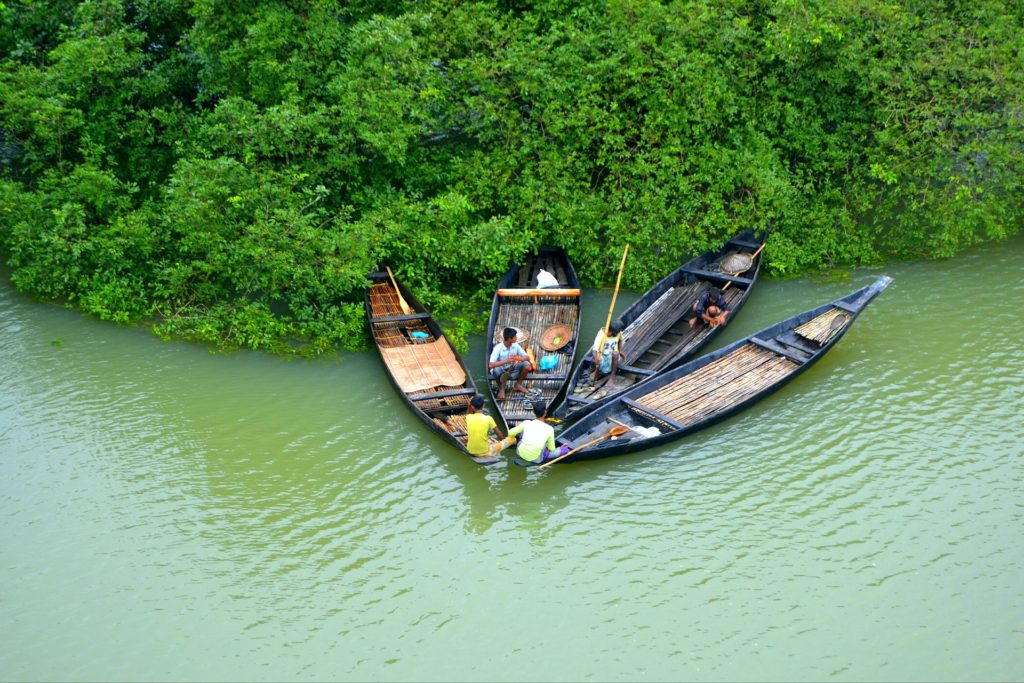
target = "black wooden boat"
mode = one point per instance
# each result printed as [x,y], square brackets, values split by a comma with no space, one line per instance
[548,322]
[420,361]
[713,387]
[656,328]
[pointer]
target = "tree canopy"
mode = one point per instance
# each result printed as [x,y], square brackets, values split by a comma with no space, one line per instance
[230,171]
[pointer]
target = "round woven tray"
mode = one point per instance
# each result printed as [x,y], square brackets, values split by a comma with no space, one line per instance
[522,335]
[736,263]
[555,337]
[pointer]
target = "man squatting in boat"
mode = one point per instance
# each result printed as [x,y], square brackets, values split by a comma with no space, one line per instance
[508,360]
[710,308]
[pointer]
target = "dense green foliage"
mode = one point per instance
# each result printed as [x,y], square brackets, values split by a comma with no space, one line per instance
[229,171]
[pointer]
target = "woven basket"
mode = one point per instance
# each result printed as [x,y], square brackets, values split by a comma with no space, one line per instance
[555,337]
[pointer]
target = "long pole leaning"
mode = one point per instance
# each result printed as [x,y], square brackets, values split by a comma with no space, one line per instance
[406,309]
[615,294]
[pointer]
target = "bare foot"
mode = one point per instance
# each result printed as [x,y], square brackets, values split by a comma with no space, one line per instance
[501,395]
[520,390]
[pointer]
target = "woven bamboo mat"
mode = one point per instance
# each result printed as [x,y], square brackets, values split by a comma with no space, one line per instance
[384,300]
[418,367]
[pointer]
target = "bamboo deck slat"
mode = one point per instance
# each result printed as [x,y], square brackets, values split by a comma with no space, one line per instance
[690,338]
[820,329]
[384,300]
[535,315]
[719,385]
[454,425]
[655,321]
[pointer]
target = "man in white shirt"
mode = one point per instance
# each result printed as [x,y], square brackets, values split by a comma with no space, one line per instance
[508,360]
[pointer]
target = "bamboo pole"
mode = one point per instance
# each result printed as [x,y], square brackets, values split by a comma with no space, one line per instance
[615,294]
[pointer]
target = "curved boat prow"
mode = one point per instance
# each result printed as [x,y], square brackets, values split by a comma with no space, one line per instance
[870,292]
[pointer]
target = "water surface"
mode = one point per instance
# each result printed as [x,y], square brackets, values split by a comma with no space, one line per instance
[168,513]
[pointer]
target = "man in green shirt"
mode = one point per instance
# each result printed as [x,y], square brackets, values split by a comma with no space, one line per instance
[537,444]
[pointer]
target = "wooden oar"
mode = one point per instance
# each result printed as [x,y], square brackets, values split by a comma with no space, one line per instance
[752,257]
[406,308]
[611,309]
[836,325]
[615,431]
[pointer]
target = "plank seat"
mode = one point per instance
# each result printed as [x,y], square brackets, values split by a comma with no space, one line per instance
[636,371]
[845,306]
[442,394]
[775,347]
[711,275]
[400,318]
[743,244]
[641,408]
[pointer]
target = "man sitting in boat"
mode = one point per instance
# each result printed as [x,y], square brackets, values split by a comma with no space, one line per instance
[508,360]
[537,443]
[479,426]
[710,308]
[607,351]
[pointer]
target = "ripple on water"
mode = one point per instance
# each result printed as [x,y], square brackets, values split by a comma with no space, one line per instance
[269,519]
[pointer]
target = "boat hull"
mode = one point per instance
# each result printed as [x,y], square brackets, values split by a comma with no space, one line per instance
[521,304]
[421,363]
[657,335]
[715,387]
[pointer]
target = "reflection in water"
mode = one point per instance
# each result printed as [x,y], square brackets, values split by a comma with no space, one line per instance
[172,514]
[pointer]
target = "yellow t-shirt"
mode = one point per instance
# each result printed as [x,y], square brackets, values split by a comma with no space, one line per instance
[477,426]
[604,344]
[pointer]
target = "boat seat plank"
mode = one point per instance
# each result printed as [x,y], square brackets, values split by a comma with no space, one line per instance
[711,275]
[539,292]
[652,412]
[743,244]
[775,347]
[540,376]
[442,394]
[400,318]
[636,371]
[794,340]
[845,306]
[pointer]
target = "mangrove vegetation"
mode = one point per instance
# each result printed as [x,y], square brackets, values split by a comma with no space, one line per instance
[229,171]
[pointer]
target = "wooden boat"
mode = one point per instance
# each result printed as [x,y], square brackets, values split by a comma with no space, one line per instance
[713,387]
[548,322]
[421,362]
[656,331]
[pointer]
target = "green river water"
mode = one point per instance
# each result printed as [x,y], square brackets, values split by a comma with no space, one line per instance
[172,514]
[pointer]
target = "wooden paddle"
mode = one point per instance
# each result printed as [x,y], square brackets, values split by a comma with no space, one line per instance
[615,431]
[406,309]
[836,325]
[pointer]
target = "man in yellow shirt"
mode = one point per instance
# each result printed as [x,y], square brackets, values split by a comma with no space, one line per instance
[478,427]
[607,351]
